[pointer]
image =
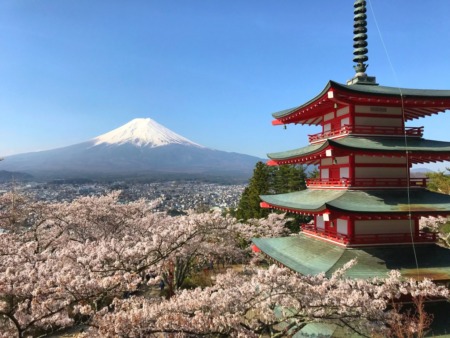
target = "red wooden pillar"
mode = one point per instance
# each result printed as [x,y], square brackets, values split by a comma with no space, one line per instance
[416,226]
[351,171]
[350,229]
[351,110]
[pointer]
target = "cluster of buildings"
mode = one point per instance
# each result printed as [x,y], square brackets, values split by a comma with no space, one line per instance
[175,196]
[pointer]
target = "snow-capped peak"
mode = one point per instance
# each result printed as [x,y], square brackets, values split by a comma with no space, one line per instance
[143,132]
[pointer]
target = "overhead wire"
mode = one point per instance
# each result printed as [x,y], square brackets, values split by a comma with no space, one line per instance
[408,188]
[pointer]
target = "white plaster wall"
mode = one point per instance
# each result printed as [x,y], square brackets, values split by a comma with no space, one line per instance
[326,161]
[378,121]
[328,116]
[342,160]
[343,111]
[344,172]
[379,160]
[342,226]
[379,110]
[382,227]
[320,223]
[345,121]
[380,172]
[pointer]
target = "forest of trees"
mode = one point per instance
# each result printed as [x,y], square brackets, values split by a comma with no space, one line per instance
[270,180]
[439,181]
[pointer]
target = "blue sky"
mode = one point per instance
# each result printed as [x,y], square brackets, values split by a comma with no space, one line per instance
[212,71]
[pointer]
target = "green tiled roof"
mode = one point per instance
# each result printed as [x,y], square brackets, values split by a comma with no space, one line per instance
[363,201]
[286,112]
[380,143]
[299,254]
[309,256]
[370,90]
[327,330]
[398,200]
[391,91]
[309,149]
[413,144]
[309,199]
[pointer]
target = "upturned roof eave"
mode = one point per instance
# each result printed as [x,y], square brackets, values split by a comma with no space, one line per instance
[369,91]
[294,209]
[295,153]
[309,200]
[286,112]
[392,91]
[394,201]
[392,144]
[370,145]
[309,256]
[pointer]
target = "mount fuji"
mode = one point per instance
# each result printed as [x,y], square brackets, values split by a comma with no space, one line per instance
[142,133]
[142,148]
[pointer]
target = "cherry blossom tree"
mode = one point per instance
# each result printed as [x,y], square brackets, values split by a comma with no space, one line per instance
[38,289]
[47,267]
[434,224]
[222,240]
[275,301]
[45,270]
[13,211]
[274,225]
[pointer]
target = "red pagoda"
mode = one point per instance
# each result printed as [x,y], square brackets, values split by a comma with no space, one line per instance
[364,204]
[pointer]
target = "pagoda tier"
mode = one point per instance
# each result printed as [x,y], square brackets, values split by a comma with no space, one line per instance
[363,217]
[365,162]
[382,202]
[418,150]
[310,256]
[383,101]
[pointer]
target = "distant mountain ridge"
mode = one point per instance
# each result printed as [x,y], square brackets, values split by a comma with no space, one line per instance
[140,147]
[10,176]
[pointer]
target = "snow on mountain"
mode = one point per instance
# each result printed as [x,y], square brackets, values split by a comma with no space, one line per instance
[142,132]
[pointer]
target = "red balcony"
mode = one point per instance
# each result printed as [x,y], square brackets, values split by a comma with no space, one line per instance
[369,239]
[327,183]
[345,130]
[367,130]
[366,182]
[331,235]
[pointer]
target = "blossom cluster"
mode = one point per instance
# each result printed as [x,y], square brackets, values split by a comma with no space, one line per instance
[259,301]
[434,224]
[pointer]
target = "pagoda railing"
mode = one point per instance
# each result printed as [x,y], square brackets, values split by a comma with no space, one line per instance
[333,235]
[367,130]
[366,182]
[421,237]
[329,182]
